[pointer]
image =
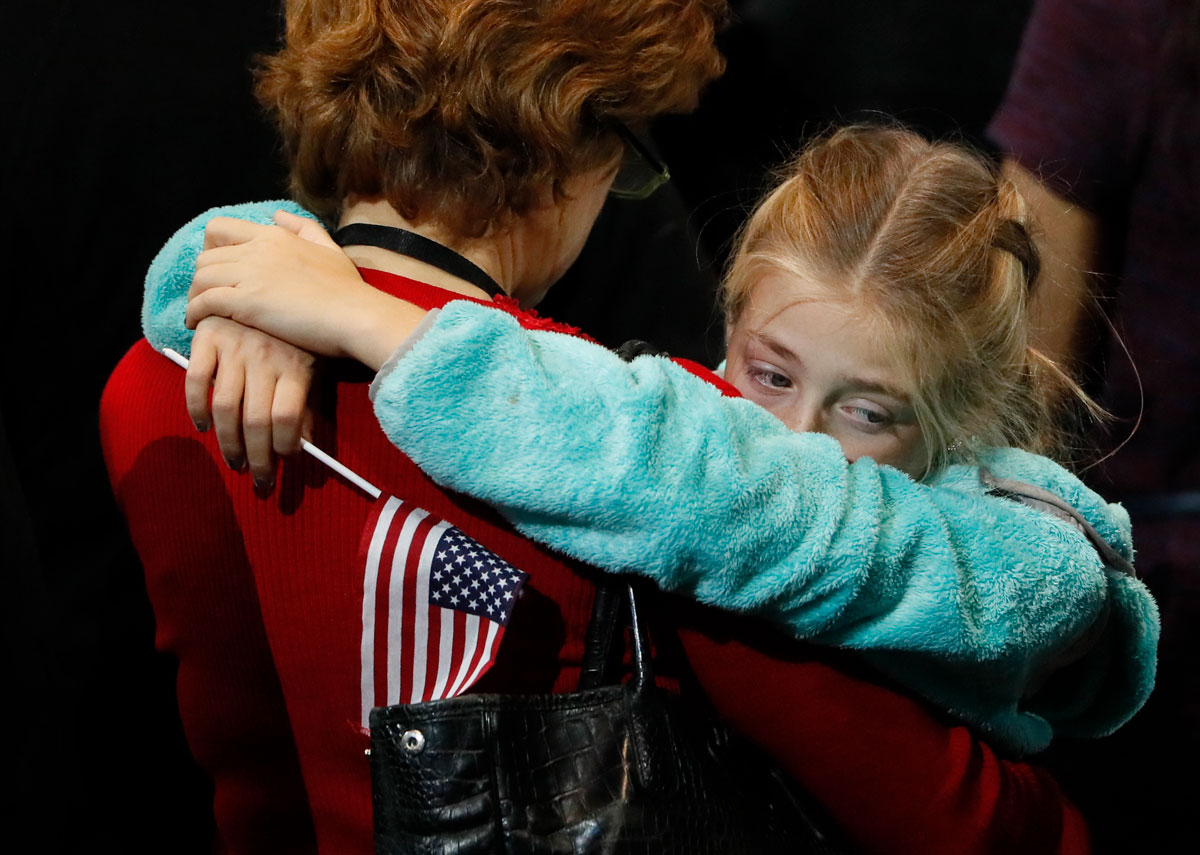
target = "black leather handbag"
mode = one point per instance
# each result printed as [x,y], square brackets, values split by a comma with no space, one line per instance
[614,768]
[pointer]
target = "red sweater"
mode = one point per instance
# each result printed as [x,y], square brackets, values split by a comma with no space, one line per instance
[261,601]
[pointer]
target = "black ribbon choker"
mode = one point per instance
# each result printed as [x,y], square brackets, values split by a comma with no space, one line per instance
[421,248]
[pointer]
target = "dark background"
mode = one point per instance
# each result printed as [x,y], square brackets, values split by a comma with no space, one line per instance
[123,121]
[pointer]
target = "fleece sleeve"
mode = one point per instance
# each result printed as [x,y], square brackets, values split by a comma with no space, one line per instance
[164,299]
[969,599]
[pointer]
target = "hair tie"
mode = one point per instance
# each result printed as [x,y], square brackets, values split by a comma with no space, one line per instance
[1012,237]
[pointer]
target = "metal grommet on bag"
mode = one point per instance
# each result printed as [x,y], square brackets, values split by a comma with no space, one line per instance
[413,741]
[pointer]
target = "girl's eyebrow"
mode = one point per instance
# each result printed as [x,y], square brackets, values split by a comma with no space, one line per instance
[861,384]
[772,343]
[856,383]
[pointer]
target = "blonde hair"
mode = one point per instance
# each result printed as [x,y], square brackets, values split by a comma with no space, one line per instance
[937,244]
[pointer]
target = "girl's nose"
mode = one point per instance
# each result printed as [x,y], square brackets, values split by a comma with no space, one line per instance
[806,420]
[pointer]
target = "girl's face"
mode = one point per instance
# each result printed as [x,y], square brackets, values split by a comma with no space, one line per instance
[817,363]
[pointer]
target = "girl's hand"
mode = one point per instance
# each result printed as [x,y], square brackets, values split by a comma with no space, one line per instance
[259,395]
[293,282]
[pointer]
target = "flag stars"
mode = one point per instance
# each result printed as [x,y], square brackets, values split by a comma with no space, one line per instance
[470,578]
[464,578]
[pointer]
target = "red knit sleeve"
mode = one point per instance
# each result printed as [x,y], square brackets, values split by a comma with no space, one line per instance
[205,603]
[894,777]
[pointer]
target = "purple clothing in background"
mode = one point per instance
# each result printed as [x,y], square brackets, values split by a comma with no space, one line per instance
[1103,108]
[1099,111]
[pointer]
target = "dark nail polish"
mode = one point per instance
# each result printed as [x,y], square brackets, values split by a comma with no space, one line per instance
[201,426]
[264,486]
[237,464]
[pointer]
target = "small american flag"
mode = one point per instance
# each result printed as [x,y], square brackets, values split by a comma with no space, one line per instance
[435,605]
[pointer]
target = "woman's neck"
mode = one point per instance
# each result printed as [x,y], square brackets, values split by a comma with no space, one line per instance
[488,253]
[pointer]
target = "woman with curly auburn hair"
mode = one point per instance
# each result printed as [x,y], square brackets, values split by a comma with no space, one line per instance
[465,147]
[463,113]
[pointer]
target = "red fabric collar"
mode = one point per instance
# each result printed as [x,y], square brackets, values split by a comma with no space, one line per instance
[411,290]
[431,297]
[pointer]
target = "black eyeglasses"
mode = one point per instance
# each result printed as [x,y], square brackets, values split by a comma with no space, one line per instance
[641,173]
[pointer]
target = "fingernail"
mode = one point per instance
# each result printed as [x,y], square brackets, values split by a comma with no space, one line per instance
[237,464]
[201,426]
[264,486]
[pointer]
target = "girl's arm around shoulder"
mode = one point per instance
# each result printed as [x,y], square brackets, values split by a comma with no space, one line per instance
[641,466]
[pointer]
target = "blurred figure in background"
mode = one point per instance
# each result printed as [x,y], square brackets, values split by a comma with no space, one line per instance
[1101,130]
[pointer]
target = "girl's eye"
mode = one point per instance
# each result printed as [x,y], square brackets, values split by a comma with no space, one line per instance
[770,379]
[868,418]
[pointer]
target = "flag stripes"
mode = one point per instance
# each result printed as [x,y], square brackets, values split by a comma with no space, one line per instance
[435,604]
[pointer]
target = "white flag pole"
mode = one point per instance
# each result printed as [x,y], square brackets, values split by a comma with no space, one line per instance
[350,475]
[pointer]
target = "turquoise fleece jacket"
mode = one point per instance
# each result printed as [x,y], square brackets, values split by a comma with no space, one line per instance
[976,602]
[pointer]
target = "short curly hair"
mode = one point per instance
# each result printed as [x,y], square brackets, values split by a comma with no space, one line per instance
[462,111]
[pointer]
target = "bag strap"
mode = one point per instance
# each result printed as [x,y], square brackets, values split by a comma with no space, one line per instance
[643,667]
[614,599]
[598,648]
[616,606]
[1047,502]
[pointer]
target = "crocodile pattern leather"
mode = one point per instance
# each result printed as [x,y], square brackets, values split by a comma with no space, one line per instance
[620,769]
[552,774]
